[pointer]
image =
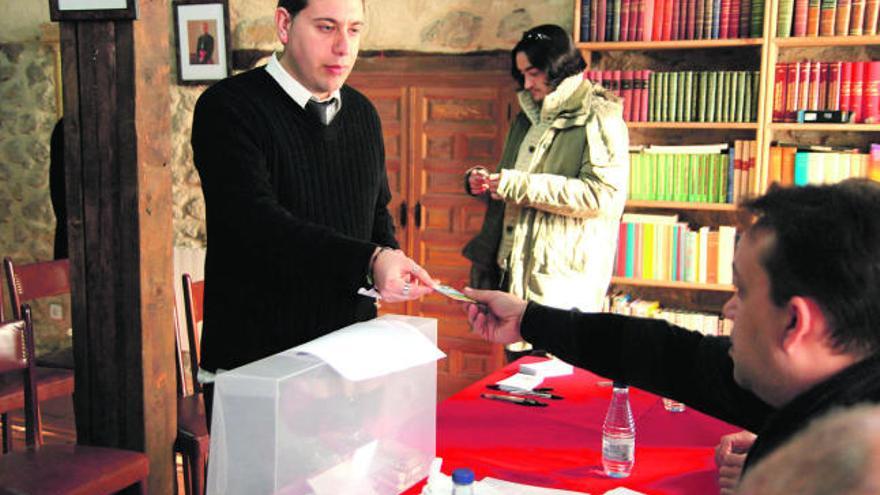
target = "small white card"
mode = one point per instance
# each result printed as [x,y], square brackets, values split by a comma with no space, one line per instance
[548,368]
[519,381]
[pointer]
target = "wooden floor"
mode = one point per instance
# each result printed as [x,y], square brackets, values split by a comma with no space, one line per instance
[59,428]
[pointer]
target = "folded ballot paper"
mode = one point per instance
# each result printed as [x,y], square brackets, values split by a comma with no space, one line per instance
[351,412]
[546,369]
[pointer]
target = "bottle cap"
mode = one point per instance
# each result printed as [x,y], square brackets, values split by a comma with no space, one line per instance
[620,384]
[463,476]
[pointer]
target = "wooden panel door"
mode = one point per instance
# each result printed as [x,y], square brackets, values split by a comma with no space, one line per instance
[454,127]
[392,104]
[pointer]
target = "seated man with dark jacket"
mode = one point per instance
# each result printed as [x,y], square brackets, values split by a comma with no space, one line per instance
[806,328]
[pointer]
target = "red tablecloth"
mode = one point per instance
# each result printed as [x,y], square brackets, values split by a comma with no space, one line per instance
[560,446]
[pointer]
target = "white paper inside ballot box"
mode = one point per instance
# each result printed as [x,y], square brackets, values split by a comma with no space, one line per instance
[293,424]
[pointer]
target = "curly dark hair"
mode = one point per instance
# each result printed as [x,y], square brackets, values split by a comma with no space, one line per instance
[826,246]
[550,49]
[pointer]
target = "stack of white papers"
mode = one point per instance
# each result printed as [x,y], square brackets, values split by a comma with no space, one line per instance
[548,368]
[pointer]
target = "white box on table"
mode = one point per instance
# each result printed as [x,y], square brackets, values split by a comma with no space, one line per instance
[290,424]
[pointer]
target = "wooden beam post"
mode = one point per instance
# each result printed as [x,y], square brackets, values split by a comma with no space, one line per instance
[117,147]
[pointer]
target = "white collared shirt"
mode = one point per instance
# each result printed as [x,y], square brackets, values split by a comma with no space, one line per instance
[296,90]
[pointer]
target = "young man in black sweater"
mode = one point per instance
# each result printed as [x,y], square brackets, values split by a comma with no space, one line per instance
[292,166]
[806,329]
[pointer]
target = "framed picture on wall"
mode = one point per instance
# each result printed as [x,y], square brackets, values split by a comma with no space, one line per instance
[201,36]
[92,10]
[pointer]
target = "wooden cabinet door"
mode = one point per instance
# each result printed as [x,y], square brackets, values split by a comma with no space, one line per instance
[392,104]
[454,127]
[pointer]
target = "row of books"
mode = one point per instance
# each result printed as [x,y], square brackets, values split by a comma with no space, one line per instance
[789,165]
[850,87]
[683,96]
[704,323]
[696,174]
[720,173]
[661,20]
[660,247]
[827,18]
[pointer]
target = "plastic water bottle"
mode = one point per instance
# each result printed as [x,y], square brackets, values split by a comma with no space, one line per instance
[619,435]
[462,482]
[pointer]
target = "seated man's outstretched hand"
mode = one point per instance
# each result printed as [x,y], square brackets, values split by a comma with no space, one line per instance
[497,318]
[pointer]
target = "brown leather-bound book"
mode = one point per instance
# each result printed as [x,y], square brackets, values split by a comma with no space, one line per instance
[827,17]
[800,17]
[844,9]
[813,8]
[872,9]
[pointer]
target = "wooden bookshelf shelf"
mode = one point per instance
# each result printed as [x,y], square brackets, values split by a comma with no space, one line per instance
[811,41]
[826,127]
[607,46]
[678,205]
[692,125]
[668,284]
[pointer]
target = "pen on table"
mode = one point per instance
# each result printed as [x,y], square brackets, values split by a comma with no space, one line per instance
[537,392]
[522,401]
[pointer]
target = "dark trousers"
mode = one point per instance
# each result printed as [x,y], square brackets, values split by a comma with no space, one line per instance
[208,396]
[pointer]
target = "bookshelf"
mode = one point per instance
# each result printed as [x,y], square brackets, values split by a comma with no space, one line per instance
[763,53]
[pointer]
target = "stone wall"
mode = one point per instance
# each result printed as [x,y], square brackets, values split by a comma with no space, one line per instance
[27,115]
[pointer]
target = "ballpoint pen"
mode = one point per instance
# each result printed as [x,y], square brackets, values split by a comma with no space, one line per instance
[542,392]
[522,401]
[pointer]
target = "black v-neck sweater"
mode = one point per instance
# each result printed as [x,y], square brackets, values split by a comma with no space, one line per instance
[294,212]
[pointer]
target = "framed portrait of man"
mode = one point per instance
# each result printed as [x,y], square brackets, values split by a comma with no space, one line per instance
[201,29]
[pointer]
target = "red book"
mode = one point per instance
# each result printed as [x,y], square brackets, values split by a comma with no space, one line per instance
[823,86]
[871,96]
[676,19]
[792,91]
[724,20]
[646,78]
[600,19]
[646,19]
[845,86]
[815,86]
[638,88]
[832,99]
[626,91]
[779,90]
[804,97]
[800,17]
[594,25]
[624,20]
[856,90]
[733,22]
[616,86]
[690,19]
[620,269]
[659,12]
[635,12]
[667,18]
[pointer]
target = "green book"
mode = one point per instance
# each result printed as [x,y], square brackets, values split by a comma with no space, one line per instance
[783,18]
[652,97]
[756,82]
[726,102]
[664,97]
[702,95]
[739,85]
[689,96]
[679,191]
[616,22]
[692,168]
[673,97]
[721,195]
[711,96]
[747,97]
[757,22]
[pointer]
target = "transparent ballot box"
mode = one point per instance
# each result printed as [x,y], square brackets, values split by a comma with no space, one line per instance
[353,412]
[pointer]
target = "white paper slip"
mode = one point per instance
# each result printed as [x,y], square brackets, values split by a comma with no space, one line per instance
[548,368]
[372,348]
[510,488]
[519,381]
[622,490]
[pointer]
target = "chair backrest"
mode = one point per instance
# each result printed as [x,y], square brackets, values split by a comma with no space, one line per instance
[31,281]
[193,300]
[17,357]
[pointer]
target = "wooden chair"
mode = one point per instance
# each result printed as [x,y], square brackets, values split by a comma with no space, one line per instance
[27,283]
[56,469]
[192,440]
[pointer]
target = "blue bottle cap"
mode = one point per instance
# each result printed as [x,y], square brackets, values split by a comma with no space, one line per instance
[463,476]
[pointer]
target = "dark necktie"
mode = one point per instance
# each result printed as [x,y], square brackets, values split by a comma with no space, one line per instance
[319,109]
